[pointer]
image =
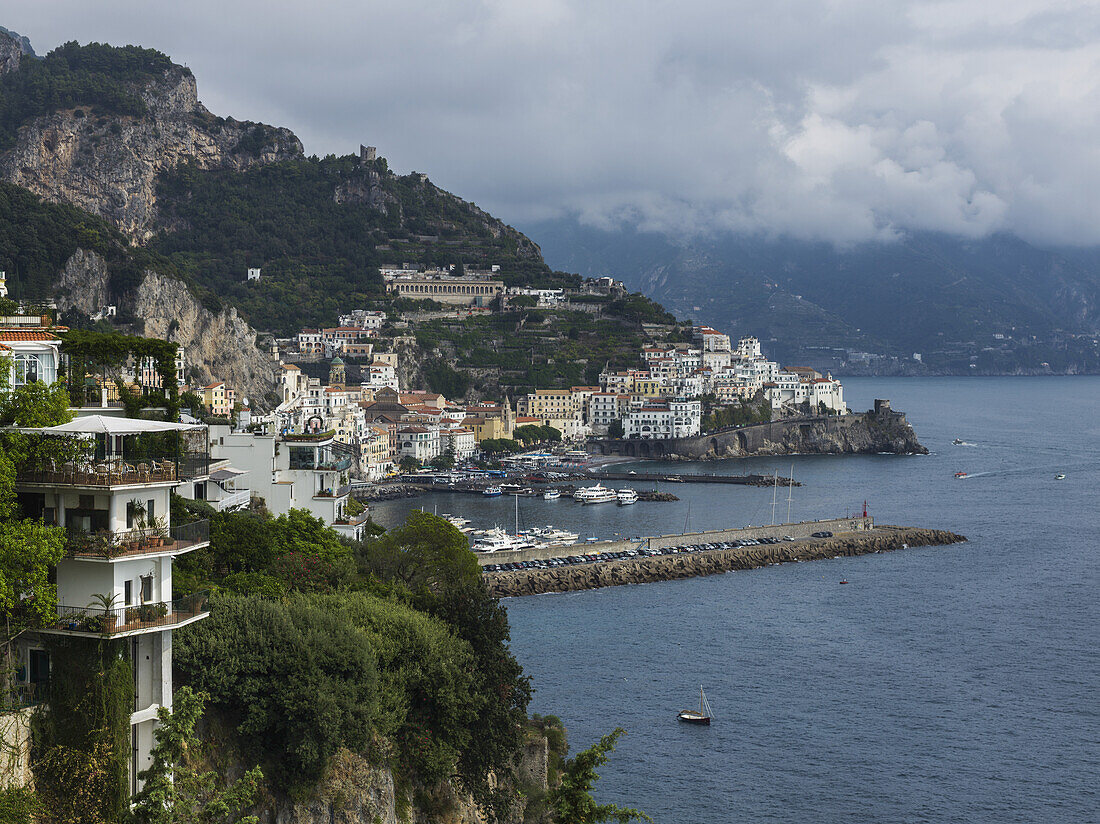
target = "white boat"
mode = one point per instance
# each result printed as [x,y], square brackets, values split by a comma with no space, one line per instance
[491,491]
[497,540]
[551,495]
[558,537]
[597,494]
[456,520]
[627,497]
[702,716]
[1059,477]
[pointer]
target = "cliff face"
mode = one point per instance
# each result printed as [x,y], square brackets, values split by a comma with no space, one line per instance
[219,345]
[109,165]
[353,791]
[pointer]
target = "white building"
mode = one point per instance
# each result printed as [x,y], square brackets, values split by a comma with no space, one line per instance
[652,419]
[115,581]
[419,442]
[32,348]
[459,442]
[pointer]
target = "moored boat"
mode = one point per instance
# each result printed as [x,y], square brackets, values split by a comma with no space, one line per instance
[492,491]
[597,494]
[551,495]
[626,497]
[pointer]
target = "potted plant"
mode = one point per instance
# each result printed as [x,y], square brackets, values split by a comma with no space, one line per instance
[109,618]
[160,530]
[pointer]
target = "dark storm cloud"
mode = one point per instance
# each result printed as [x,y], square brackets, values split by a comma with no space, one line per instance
[844,120]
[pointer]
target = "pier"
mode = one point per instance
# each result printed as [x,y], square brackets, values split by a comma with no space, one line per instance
[672,564]
[686,478]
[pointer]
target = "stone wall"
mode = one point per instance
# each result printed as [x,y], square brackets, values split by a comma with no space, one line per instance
[646,569]
[15,748]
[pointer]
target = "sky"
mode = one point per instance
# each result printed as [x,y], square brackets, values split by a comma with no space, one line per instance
[843,120]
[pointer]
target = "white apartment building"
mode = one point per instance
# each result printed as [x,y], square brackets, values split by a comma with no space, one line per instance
[458,441]
[661,419]
[115,581]
[419,442]
[604,408]
[32,348]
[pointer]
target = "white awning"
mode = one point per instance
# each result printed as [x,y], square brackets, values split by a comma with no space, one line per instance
[226,474]
[106,425]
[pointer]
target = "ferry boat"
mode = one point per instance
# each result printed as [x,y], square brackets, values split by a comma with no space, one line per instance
[627,497]
[492,492]
[551,495]
[597,494]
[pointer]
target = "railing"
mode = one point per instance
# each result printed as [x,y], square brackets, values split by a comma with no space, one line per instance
[93,620]
[27,695]
[107,544]
[232,500]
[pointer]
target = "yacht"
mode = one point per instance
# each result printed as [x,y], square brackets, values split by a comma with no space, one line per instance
[627,497]
[551,495]
[497,540]
[492,492]
[597,494]
[455,520]
[558,537]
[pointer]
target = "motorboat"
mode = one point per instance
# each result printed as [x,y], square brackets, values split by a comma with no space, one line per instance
[455,520]
[961,475]
[492,492]
[702,716]
[597,494]
[958,442]
[497,540]
[626,497]
[551,495]
[1060,477]
[558,537]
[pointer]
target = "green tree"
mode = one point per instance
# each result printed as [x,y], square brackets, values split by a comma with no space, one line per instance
[615,429]
[425,551]
[175,791]
[572,800]
[408,464]
[444,460]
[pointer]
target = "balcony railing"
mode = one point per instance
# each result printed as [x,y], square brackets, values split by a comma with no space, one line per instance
[118,472]
[232,500]
[106,544]
[95,621]
[327,465]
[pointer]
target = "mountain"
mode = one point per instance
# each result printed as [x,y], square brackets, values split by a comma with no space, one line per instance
[118,186]
[998,303]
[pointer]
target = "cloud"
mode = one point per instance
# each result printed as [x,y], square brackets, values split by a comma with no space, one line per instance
[829,119]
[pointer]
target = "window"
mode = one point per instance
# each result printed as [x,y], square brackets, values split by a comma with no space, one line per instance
[146,588]
[128,592]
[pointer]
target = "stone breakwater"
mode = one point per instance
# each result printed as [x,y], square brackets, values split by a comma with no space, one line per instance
[644,570]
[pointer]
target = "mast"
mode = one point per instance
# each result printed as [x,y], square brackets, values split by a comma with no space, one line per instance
[775,487]
[790,492]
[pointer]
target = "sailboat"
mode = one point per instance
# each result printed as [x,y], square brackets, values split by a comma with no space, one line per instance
[700,717]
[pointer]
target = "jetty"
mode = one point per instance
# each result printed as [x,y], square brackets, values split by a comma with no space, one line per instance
[689,478]
[670,557]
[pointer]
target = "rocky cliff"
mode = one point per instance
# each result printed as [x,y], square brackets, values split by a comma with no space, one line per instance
[218,345]
[108,165]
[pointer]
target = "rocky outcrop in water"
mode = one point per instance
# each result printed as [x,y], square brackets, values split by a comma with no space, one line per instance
[644,570]
[108,165]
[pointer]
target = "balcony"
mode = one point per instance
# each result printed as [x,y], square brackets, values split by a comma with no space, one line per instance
[135,542]
[132,620]
[329,493]
[324,465]
[233,500]
[116,473]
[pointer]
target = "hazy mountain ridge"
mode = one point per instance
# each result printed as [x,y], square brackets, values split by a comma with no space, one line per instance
[944,297]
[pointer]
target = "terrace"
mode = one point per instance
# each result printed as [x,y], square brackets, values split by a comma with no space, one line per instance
[134,542]
[129,620]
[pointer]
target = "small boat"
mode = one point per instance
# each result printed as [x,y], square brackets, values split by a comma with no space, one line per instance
[1059,477]
[672,479]
[700,717]
[492,491]
[844,581]
[958,441]
[551,495]
[627,497]
[961,475]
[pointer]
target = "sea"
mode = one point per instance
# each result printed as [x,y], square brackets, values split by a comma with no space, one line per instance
[941,684]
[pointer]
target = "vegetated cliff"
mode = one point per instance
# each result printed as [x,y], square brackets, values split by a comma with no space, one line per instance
[220,345]
[108,164]
[353,791]
[217,345]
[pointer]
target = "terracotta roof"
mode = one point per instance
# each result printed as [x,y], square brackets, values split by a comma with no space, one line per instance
[26,334]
